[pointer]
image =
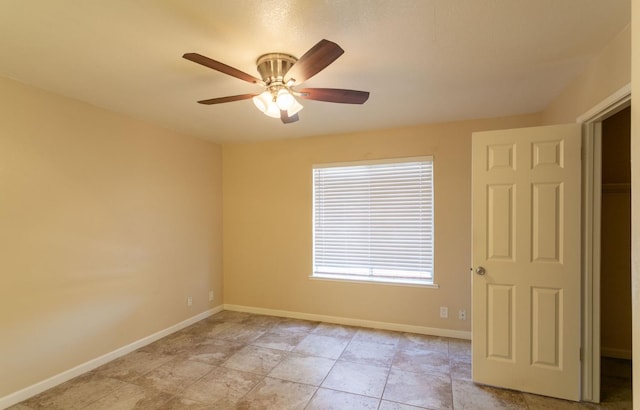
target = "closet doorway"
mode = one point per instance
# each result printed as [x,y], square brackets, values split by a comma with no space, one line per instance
[615,254]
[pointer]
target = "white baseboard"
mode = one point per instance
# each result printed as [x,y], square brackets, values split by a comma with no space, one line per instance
[457,334]
[615,353]
[59,378]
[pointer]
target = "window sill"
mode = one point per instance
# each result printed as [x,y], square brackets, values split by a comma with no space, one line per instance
[374,280]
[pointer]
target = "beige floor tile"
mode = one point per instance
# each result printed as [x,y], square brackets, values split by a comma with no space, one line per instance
[460,369]
[357,378]
[212,351]
[174,344]
[20,406]
[174,376]
[410,341]
[424,390]
[326,399]
[333,330]
[303,369]
[377,354]
[131,397]
[422,361]
[279,340]
[294,325]
[535,402]
[460,357]
[229,316]
[221,387]
[236,332]
[275,394]
[324,346]
[76,393]
[199,328]
[180,403]
[132,365]
[211,329]
[460,347]
[255,359]
[468,395]
[389,405]
[260,321]
[377,336]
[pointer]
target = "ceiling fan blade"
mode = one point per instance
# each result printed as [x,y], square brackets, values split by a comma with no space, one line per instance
[286,119]
[223,68]
[230,98]
[335,95]
[315,60]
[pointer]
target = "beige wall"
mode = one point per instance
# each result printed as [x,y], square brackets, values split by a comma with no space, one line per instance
[635,197]
[606,74]
[268,229]
[107,225]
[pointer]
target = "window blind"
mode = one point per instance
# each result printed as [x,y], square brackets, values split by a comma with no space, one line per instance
[374,220]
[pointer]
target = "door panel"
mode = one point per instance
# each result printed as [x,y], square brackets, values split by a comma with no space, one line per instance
[546,337]
[501,226]
[546,222]
[526,234]
[500,326]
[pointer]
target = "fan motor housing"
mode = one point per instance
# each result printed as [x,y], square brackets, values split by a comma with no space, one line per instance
[273,67]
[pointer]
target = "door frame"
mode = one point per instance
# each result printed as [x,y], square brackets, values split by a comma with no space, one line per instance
[591,122]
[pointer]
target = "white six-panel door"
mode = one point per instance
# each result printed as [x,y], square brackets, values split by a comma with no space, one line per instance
[526,237]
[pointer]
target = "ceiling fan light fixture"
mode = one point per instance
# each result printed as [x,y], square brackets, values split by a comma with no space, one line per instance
[271,106]
[264,102]
[284,99]
[295,108]
[273,111]
[261,101]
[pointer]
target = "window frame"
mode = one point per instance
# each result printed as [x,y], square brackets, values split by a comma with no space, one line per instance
[374,279]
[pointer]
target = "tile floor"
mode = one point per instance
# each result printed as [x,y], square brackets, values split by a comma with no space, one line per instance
[242,361]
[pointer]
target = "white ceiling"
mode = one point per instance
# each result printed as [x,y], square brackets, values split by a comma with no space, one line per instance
[423,61]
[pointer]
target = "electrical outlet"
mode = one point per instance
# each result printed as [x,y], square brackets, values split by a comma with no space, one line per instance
[189,301]
[462,314]
[210,296]
[444,312]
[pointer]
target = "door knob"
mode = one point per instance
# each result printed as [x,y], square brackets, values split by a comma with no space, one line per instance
[480,270]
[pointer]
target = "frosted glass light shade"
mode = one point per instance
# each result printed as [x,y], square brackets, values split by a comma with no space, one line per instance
[284,99]
[264,102]
[295,108]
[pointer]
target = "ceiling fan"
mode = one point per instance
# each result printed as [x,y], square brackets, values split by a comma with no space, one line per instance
[278,99]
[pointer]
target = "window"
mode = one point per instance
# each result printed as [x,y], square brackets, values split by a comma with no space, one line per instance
[374,221]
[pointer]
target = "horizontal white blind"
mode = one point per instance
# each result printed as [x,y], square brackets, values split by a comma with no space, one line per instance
[374,220]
